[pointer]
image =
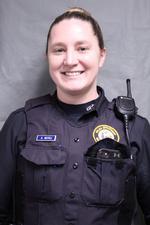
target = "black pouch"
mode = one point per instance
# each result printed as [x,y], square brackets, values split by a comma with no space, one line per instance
[108,149]
[108,169]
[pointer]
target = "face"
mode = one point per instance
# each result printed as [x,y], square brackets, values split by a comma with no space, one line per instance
[74,59]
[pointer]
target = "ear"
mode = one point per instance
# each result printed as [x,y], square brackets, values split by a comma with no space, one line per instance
[102,57]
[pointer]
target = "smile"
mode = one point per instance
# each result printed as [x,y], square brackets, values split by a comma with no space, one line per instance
[72,73]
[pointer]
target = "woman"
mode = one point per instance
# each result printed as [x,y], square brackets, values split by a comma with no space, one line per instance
[66,158]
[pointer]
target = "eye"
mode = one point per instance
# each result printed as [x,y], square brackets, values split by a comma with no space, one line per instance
[58,50]
[83,49]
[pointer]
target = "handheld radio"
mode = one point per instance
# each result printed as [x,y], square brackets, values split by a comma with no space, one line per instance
[126,109]
[125,104]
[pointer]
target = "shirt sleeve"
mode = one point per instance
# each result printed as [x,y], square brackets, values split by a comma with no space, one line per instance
[12,137]
[143,172]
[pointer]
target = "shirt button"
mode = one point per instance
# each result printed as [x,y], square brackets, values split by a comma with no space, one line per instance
[75,165]
[72,195]
[76,140]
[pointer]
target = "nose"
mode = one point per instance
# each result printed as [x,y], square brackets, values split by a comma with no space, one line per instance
[70,58]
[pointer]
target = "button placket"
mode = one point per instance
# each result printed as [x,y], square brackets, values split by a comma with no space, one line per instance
[75,165]
[76,139]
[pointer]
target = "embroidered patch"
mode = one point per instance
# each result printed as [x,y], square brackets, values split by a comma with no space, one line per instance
[49,138]
[105,131]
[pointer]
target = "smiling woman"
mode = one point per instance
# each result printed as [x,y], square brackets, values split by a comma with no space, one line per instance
[74,58]
[66,158]
[75,51]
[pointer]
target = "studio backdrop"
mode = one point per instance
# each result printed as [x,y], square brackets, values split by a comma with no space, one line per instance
[23,64]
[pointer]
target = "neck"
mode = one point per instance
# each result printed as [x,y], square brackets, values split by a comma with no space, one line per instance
[77,98]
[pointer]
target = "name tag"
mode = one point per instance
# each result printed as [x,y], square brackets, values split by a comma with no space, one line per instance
[46,138]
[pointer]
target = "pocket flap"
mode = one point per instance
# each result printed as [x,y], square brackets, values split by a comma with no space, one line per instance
[44,156]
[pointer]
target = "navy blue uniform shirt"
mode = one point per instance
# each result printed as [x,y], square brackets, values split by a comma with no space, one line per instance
[47,142]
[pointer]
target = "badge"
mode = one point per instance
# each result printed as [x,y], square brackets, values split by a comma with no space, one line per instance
[105,131]
[49,138]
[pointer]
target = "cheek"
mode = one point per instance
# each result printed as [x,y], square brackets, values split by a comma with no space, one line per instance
[54,63]
[92,65]
[87,62]
[92,60]
[52,69]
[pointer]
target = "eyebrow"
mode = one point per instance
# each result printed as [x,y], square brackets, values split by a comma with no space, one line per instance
[82,42]
[56,44]
[63,44]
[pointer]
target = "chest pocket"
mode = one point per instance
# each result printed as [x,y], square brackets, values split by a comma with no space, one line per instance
[43,173]
[107,177]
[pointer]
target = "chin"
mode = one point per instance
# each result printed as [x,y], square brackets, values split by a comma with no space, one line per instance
[76,90]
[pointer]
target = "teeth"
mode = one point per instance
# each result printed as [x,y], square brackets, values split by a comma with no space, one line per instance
[73,73]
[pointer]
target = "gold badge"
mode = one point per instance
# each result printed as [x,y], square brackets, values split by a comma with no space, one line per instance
[105,131]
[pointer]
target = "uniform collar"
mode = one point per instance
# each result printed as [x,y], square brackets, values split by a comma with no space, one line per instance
[83,111]
[99,106]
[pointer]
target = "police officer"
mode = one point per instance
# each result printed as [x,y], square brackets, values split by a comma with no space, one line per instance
[67,159]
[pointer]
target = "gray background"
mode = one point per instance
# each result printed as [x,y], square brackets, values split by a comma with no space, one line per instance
[23,64]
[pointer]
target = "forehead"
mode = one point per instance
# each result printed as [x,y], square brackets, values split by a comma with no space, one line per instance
[72,29]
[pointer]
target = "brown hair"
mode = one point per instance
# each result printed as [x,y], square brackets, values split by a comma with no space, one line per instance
[81,14]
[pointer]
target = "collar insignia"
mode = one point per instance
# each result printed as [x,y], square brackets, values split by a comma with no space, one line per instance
[90,108]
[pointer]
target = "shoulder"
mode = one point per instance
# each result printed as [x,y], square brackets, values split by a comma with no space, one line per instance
[140,132]
[17,114]
[14,129]
[39,101]
[136,119]
[15,119]
[141,122]
[18,117]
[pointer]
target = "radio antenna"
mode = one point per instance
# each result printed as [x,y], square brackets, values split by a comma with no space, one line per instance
[129,94]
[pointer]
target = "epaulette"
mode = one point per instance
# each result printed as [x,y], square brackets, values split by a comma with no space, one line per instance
[34,102]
